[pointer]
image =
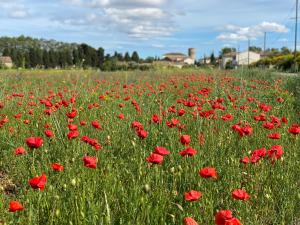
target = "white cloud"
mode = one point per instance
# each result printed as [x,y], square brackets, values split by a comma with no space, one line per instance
[142,19]
[14,9]
[19,13]
[235,33]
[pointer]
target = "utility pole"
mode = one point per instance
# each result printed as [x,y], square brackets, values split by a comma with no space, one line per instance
[296,33]
[249,51]
[265,42]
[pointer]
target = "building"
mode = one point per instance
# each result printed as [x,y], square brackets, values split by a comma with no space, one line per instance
[240,58]
[6,61]
[180,58]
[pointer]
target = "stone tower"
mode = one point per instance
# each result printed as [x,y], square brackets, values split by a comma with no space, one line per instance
[192,53]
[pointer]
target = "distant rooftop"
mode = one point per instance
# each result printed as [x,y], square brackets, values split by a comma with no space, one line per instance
[174,54]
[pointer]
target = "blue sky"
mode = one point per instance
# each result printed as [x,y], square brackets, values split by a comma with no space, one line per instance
[153,27]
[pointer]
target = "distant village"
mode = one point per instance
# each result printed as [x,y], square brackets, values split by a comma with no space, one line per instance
[179,60]
[26,52]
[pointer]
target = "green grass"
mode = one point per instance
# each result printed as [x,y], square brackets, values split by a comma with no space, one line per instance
[125,188]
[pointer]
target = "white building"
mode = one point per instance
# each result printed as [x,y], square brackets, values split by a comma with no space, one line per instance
[240,58]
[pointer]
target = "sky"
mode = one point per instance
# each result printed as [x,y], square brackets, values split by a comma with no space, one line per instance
[153,27]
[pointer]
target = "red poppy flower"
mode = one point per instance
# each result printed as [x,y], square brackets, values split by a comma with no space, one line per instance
[156,118]
[185,139]
[208,172]
[284,120]
[121,116]
[181,112]
[34,142]
[90,162]
[275,152]
[83,123]
[73,134]
[224,217]
[192,195]
[137,125]
[294,129]
[189,221]
[20,151]
[161,151]
[142,134]
[155,158]
[280,100]
[245,160]
[258,154]
[274,136]
[49,133]
[57,167]
[38,182]
[227,117]
[240,194]
[269,125]
[188,152]
[72,114]
[72,127]
[96,124]
[233,221]
[15,206]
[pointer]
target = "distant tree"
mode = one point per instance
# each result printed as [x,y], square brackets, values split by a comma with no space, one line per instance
[100,54]
[255,49]
[212,59]
[285,50]
[46,60]
[227,50]
[76,59]
[149,59]
[135,57]
[6,52]
[127,57]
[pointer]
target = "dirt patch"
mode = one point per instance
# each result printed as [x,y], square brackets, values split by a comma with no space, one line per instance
[7,186]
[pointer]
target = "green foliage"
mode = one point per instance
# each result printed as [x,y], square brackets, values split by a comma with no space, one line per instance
[28,52]
[227,50]
[135,57]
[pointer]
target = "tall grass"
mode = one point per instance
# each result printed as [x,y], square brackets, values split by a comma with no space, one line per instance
[125,188]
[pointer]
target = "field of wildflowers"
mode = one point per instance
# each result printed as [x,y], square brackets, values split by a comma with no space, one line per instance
[155,149]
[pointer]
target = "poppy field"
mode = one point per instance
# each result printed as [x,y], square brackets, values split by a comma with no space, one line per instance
[160,149]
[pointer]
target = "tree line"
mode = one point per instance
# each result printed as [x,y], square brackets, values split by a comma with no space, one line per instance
[27,52]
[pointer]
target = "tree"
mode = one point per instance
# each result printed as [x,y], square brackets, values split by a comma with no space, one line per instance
[127,57]
[100,54]
[212,59]
[285,50]
[227,50]
[135,57]
[255,49]
[46,60]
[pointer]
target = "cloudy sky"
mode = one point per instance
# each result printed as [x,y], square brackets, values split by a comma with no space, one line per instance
[153,27]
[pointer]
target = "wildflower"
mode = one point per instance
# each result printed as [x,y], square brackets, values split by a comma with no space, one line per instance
[188,152]
[155,158]
[208,172]
[38,182]
[161,151]
[240,194]
[192,195]
[15,206]
[90,162]
[20,151]
[34,142]
[185,139]
[57,167]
